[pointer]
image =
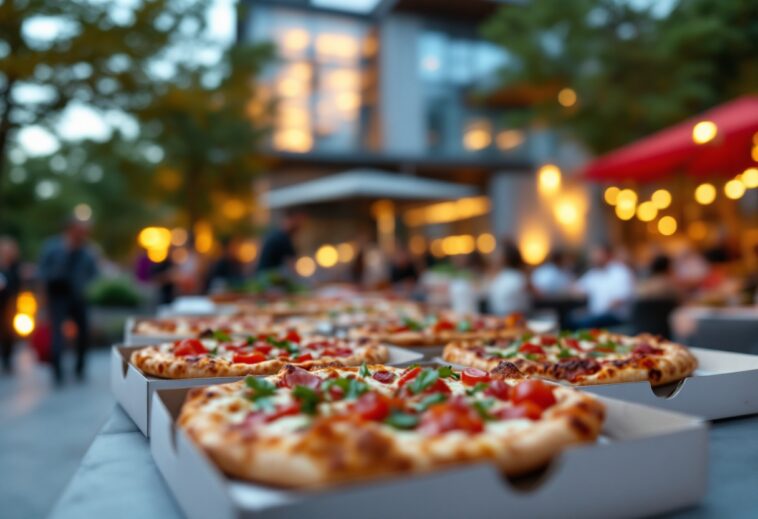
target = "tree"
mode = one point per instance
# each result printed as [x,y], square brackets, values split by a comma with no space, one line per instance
[634,70]
[208,122]
[81,50]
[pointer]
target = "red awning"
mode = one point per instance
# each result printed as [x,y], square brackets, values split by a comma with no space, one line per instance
[673,151]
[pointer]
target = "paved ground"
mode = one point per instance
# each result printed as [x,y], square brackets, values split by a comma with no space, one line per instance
[44,432]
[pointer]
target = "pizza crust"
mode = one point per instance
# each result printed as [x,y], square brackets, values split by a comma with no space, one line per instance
[344,450]
[152,361]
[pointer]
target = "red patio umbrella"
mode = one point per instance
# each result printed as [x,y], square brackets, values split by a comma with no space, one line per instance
[673,150]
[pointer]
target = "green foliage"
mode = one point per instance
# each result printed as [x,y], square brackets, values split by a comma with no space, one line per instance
[114,292]
[195,141]
[635,70]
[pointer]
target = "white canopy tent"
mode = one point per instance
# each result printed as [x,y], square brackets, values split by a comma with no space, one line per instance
[367,184]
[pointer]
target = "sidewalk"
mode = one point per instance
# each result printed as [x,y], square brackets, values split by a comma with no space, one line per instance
[44,432]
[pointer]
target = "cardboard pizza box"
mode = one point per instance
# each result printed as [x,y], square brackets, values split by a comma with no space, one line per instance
[725,385]
[648,462]
[133,389]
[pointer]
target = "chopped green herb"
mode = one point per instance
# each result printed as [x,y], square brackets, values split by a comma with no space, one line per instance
[213,352]
[260,388]
[609,345]
[532,356]
[429,401]
[526,336]
[308,398]
[250,340]
[584,335]
[364,372]
[277,343]
[221,336]
[447,372]
[351,388]
[478,387]
[424,380]
[400,420]
[464,326]
[565,353]
[412,325]
[482,407]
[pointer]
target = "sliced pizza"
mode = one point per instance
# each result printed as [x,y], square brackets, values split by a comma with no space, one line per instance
[190,326]
[337,425]
[587,357]
[220,355]
[440,329]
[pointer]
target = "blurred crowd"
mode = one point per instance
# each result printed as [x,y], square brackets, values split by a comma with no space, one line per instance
[603,287]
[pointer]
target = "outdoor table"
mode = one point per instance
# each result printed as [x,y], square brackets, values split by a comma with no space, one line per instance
[118,478]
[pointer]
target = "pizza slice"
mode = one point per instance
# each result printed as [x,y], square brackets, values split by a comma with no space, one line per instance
[217,354]
[586,357]
[440,329]
[338,424]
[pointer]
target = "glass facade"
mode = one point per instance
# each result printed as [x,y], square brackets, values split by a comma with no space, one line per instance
[320,78]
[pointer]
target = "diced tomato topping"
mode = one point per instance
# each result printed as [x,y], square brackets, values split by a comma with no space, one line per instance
[408,375]
[249,358]
[293,336]
[499,390]
[263,348]
[454,415]
[337,352]
[303,357]
[646,349]
[281,412]
[528,347]
[471,376]
[534,391]
[383,376]
[527,409]
[444,325]
[336,393]
[548,340]
[283,355]
[187,347]
[372,406]
[299,377]
[573,344]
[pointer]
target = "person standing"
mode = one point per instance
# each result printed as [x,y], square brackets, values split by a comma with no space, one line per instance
[66,267]
[509,290]
[553,277]
[609,287]
[278,250]
[10,284]
[227,272]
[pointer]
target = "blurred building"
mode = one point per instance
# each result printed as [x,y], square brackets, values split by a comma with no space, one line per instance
[397,88]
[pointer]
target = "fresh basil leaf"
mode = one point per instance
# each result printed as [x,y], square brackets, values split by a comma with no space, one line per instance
[221,336]
[565,353]
[277,343]
[355,388]
[260,387]
[250,340]
[609,345]
[532,356]
[464,326]
[423,380]
[364,372]
[308,398]
[526,336]
[584,335]
[400,420]
[412,324]
[447,372]
[478,388]
[482,407]
[213,352]
[429,401]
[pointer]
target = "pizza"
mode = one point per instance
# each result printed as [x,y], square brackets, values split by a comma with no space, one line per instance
[219,355]
[190,326]
[330,306]
[440,329]
[587,357]
[335,425]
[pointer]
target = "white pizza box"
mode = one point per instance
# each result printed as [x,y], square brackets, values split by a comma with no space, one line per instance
[133,389]
[725,385]
[648,462]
